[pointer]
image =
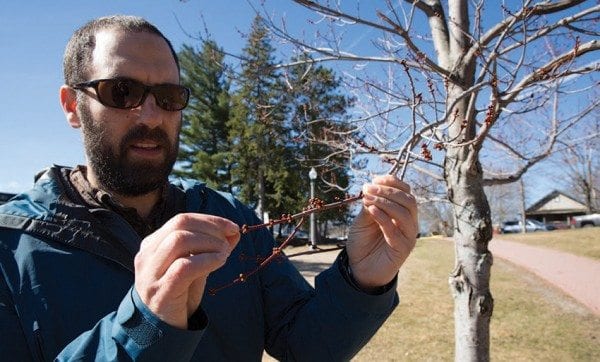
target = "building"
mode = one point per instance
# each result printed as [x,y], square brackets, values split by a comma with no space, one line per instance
[556,207]
[5,197]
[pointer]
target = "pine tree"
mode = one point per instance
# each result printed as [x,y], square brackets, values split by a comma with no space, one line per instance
[266,174]
[319,128]
[260,141]
[205,150]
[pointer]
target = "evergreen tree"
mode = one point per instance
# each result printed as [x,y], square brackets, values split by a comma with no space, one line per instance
[260,141]
[319,130]
[265,173]
[205,151]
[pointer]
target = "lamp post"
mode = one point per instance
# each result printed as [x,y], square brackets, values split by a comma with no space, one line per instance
[312,175]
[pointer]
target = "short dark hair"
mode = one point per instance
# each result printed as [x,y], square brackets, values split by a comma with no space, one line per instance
[78,53]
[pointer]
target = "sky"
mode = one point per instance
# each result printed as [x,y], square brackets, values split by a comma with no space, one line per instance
[33,131]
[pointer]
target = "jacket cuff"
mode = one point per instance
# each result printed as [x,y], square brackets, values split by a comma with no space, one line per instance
[346,271]
[143,335]
[349,297]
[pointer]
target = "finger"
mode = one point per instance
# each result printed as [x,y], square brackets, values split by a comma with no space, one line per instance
[185,271]
[396,237]
[398,213]
[208,224]
[373,192]
[195,292]
[183,235]
[392,181]
[180,244]
[196,223]
[182,284]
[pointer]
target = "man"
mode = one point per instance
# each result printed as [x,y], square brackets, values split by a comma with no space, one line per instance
[110,261]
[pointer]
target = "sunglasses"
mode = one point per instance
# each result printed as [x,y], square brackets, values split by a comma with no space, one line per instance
[125,93]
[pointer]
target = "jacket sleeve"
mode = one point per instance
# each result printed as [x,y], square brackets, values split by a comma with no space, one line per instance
[134,333]
[331,322]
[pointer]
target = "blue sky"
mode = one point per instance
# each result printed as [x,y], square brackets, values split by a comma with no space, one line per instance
[33,131]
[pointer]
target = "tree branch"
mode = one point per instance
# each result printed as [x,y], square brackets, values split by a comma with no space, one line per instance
[550,70]
[412,46]
[526,12]
[531,161]
[395,29]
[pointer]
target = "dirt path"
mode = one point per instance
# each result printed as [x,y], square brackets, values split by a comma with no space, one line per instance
[311,265]
[577,276]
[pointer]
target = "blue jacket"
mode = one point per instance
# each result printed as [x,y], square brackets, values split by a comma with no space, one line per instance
[66,277]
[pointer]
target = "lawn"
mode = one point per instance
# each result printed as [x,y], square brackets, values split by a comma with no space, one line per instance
[582,242]
[532,320]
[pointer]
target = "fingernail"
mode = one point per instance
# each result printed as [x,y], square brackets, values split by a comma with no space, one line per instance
[370,188]
[232,229]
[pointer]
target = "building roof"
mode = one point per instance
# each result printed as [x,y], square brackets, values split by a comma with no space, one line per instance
[556,202]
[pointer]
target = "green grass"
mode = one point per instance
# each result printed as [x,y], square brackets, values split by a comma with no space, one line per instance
[582,242]
[532,321]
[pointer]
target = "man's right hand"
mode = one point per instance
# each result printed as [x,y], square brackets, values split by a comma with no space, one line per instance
[173,263]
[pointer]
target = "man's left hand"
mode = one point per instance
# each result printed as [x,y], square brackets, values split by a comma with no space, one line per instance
[384,233]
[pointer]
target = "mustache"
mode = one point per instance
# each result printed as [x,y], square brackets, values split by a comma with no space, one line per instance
[143,132]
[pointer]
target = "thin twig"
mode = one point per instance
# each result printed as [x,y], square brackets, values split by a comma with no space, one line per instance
[316,251]
[277,252]
[288,219]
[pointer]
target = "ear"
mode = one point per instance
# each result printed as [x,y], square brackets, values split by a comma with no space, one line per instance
[68,101]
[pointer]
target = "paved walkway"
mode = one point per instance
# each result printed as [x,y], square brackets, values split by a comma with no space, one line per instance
[312,264]
[577,276]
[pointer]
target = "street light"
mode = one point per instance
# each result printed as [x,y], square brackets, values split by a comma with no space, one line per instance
[312,175]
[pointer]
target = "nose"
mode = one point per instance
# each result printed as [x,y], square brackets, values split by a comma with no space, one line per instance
[150,114]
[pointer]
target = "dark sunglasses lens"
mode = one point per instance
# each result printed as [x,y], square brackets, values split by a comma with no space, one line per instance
[171,97]
[120,93]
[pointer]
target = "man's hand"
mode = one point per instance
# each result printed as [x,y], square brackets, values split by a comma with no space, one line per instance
[384,233]
[173,263]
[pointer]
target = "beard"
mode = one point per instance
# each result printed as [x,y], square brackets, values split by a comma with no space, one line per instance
[114,171]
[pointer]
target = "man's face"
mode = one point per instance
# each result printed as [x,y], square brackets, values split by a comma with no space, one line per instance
[130,151]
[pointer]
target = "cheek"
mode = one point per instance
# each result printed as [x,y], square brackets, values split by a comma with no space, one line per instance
[114,126]
[174,128]
[114,132]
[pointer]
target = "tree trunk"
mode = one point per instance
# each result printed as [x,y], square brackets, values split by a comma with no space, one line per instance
[469,282]
[590,191]
[523,217]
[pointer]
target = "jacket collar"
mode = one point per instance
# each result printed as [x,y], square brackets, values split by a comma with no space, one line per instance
[53,210]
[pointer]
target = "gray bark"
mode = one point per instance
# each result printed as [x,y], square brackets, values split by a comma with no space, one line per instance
[469,282]
[522,196]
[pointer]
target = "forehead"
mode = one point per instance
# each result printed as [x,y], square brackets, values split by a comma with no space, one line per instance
[138,55]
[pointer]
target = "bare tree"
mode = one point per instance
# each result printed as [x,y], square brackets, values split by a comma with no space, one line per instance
[504,202]
[472,93]
[580,168]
